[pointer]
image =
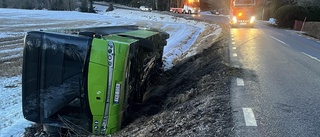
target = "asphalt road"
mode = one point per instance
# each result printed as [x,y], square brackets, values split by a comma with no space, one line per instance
[278,94]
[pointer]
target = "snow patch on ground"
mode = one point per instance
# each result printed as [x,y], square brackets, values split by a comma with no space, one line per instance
[2,35]
[12,121]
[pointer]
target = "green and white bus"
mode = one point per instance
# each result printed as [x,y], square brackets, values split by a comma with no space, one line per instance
[86,80]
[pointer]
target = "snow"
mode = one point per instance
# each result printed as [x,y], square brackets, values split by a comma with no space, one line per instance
[183,34]
[2,35]
[10,50]
[12,121]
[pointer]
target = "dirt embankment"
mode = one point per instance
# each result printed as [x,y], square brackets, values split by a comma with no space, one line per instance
[191,99]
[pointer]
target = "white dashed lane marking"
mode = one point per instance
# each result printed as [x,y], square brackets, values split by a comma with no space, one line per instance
[312,57]
[240,82]
[249,117]
[247,112]
[235,54]
[279,41]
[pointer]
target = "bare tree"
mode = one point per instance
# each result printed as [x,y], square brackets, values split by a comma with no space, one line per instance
[40,4]
[84,6]
[4,4]
[307,3]
[70,5]
[215,4]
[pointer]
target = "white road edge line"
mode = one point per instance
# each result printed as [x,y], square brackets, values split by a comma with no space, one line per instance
[233,43]
[249,117]
[235,54]
[240,82]
[279,41]
[312,57]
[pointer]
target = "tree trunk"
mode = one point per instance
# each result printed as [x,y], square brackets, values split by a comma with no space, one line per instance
[156,2]
[69,5]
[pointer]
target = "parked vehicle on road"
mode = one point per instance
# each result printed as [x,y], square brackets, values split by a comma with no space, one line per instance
[144,8]
[189,7]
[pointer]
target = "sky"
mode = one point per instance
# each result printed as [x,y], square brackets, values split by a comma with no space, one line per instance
[16,22]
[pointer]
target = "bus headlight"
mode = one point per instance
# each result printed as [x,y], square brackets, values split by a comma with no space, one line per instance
[252,19]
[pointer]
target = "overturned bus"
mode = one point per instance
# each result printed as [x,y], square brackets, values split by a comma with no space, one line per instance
[85,80]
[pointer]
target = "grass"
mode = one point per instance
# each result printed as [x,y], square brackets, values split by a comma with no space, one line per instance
[12,68]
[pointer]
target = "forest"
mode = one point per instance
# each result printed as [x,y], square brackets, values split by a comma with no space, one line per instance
[155,4]
[74,4]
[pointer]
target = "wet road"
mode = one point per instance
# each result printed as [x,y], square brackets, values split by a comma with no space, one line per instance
[278,94]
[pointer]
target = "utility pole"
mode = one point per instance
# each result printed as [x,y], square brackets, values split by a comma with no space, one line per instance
[262,13]
[305,18]
[156,4]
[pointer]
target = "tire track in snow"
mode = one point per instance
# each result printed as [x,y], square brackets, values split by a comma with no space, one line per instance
[11,48]
[10,43]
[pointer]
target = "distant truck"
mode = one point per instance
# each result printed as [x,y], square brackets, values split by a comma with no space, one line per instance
[242,12]
[189,7]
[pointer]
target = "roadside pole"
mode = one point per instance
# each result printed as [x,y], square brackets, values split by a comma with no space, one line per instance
[262,14]
[305,18]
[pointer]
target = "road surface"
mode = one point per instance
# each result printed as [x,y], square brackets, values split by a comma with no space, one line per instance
[278,92]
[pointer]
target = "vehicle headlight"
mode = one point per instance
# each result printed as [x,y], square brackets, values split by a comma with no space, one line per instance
[234,19]
[252,19]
